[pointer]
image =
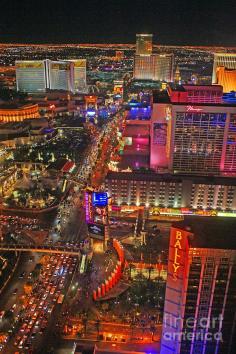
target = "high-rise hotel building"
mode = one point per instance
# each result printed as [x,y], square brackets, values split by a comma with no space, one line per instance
[200,307]
[143,67]
[144,44]
[163,67]
[148,66]
[168,191]
[37,76]
[31,76]
[226,78]
[80,74]
[227,60]
[193,131]
[60,75]
[156,67]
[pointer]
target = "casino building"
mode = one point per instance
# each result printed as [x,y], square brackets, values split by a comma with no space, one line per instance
[227,60]
[200,307]
[193,130]
[18,113]
[172,191]
[38,76]
[226,78]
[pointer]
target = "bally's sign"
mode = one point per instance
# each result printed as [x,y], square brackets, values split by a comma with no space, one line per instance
[178,245]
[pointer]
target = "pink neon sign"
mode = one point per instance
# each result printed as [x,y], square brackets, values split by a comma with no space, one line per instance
[193,109]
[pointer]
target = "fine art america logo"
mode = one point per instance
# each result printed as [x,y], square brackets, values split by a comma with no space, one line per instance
[201,329]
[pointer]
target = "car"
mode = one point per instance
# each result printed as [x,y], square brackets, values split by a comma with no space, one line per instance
[31,301]
[23,327]
[41,304]
[35,315]
[33,308]
[15,291]
[45,296]
[2,313]
[16,342]
[21,276]
[12,309]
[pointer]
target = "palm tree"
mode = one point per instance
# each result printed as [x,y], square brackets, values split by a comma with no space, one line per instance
[131,267]
[132,328]
[97,325]
[150,270]
[85,322]
[152,329]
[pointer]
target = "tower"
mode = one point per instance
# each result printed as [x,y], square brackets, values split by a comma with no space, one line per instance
[177,76]
[144,44]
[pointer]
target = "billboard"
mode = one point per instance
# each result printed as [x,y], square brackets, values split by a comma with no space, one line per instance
[159,133]
[100,199]
[97,230]
[100,215]
[79,63]
[118,88]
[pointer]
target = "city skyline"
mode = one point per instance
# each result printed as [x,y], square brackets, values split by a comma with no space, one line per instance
[117,177]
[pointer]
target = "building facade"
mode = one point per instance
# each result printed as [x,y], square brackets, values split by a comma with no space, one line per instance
[144,44]
[18,113]
[143,67]
[200,310]
[31,76]
[226,78]
[193,131]
[172,191]
[227,60]
[157,67]
[60,75]
[38,76]
[80,74]
[163,67]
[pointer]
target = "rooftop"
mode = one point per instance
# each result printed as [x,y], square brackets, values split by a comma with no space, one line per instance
[168,177]
[210,232]
[13,125]
[182,90]
[161,97]
[57,165]
[14,105]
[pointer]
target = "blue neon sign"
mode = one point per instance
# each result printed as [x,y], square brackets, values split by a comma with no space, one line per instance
[99,199]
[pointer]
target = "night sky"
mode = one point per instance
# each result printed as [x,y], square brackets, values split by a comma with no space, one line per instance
[208,22]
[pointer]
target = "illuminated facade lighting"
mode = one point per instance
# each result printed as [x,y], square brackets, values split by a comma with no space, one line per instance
[144,44]
[227,60]
[173,191]
[200,288]
[226,78]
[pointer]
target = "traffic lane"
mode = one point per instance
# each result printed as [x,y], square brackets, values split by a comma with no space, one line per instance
[69,262]
[7,299]
[51,335]
[33,315]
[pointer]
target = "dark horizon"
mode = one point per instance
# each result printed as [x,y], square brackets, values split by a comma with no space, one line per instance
[173,23]
[61,43]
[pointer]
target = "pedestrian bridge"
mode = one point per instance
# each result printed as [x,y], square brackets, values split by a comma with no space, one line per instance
[40,249]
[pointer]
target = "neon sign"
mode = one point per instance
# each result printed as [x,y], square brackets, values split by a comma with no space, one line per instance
[177,248]
[193,109]
[88,207]
[100,199]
